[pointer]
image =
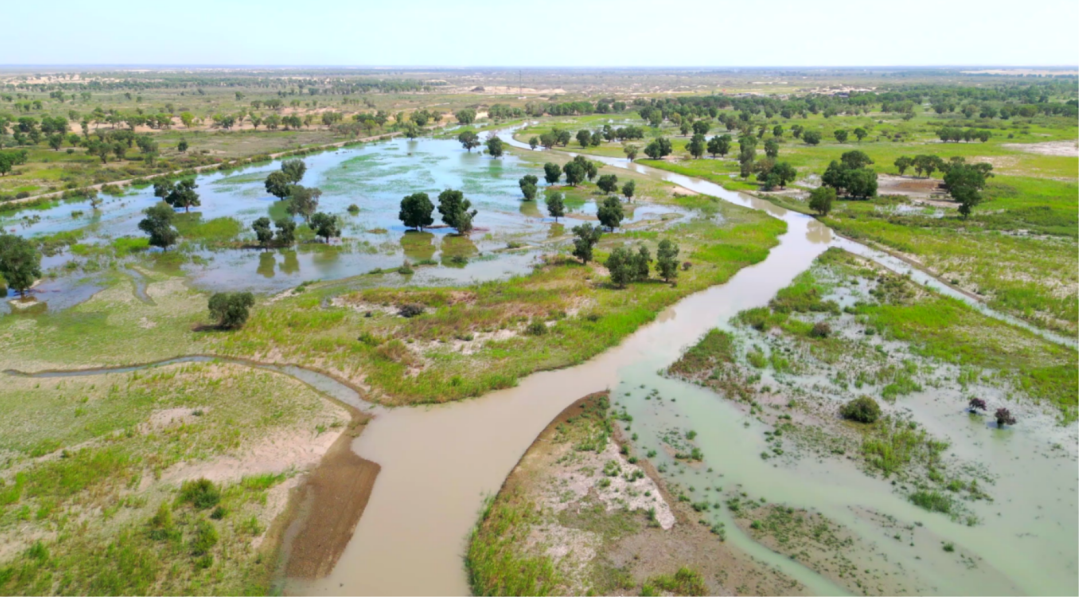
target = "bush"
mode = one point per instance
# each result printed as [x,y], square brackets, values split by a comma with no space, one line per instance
[205,538]
[201,493]
[536,328]
[863,409]
[1004,418]
[231,309]
[410,310]
[821,330]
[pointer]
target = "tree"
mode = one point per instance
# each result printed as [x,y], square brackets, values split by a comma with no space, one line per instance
[610,212]
[286,231]
[469,140]
[862,182]
[778,131]
[658,148]
[811,137]
[696,147]
[701,127]
[278,184]
[325,225]
[416,211]
[720,145]
[263,233]
[455,210]
[841,135]
[495,147]
[586,236]
[182,195]
[642,260]
[976,404]
[552,172]
[608,183]
[533,142]
[964,182]
[860,133]
[628,190]
[620,265]
[1004,418]
[231,310]
[20,263]
[182,146]
[465,116]
[575,173]
[56,141]
[667,260]
[855,159]
[158,224]
[784,173]
[303,201]
[294,170]
[772,147]
[528,184]
[584,137]
[821,200]
[549,140]
[902,164]
[631,151]
[555,206]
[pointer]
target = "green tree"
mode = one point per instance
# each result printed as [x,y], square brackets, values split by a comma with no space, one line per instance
[183,195]
[575,173]
[964,182]
[628,190]
[533,142]
[701,127]
[855,159]
[631,151]
[902,164]
[860,133]
[841,135]
[720,145]
[465,116]
[56,141]
[469,140]
[555,206]
[495,147]
[263,233]
[182,146]
[584,137]
[528,184]
[552,173]
[158,224]
[608,183]
[278,185]
[772,148]
[294,170]
[658,148]
[303,201]
[811,137]
[231,310]
[586,236]
[286,231]
[416,211]
[20,263]
[784,172]
[620,265]
[610,212]
[454,209]
[642,260]
[696,147]
[821,200]
[778,131]
[325,225]
[667,260]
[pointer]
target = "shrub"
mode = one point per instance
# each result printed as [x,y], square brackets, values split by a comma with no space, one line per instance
[410,310]
[863,409]
[1004,418]
[201,493]
[821,330]
[231,309]
[976,404]
[536,328]
[204,539]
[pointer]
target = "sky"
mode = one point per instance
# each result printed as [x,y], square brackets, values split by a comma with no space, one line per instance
[567,33]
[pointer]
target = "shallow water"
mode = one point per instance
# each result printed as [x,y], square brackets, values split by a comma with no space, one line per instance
[374,177]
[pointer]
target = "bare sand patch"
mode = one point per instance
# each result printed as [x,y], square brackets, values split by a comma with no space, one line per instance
[1068,149]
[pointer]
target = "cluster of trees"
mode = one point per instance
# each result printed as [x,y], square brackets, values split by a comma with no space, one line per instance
[958,134]
[922,164]
[454,207]
[852,175]
[20,264]
[658,148]
[587,138]
[10,159]
[284,185]
[284,236]
[628,266]
[180,194]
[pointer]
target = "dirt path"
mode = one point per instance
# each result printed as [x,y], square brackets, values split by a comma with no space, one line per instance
[98,186]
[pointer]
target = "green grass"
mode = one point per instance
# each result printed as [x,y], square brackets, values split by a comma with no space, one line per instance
[494,561]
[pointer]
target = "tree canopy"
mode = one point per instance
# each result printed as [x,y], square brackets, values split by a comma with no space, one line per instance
[454,208]
[20,263]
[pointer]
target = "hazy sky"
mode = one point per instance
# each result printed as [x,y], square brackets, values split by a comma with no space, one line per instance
[541,33]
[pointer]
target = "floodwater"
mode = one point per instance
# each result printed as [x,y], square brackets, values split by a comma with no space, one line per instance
[439,462]
[374,177]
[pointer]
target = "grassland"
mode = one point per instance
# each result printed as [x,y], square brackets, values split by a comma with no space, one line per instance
[96,493]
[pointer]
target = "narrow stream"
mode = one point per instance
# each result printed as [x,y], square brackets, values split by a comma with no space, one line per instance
[439,462]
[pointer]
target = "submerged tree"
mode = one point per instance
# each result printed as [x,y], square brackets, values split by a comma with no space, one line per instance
[455,210]
[552,173]
[263,232]
[469,140]
[158,224]
[326,226]
[416,211]
[555,206]
[976,405]
[1004,418]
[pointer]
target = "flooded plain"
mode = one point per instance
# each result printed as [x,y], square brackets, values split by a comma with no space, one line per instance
[439,462]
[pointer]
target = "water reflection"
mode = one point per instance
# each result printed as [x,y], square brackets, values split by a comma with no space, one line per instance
[418,246]
[266,264]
